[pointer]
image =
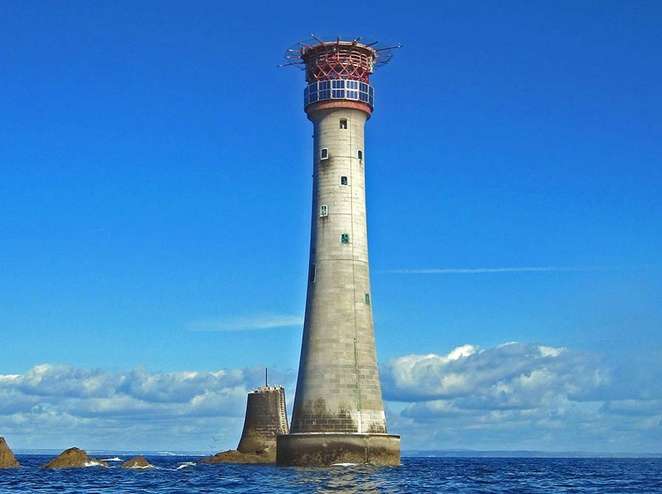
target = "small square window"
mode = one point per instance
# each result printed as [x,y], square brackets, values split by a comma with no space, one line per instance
[360,154]
[367,299]
[343,123]
[324,154]
[344,238]
[343,180]
[324,211]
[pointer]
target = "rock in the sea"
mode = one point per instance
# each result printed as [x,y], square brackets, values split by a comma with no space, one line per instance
[7,458]
[234,456]
[137,462]
[74,458]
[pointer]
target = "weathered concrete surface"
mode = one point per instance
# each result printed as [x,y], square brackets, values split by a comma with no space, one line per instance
[323,450]
[7,458]
[234,456]
[338,412]
[338,388]
[137,462]
[266,417]
[74,458]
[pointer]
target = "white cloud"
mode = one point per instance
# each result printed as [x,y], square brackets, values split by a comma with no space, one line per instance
[512,375]
[250,323]
[511,396]
[52,405]
[521,396]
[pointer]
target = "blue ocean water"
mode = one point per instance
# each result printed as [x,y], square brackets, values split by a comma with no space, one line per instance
[416,475]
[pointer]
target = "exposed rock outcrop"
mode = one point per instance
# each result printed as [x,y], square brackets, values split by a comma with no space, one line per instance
[137,462]
[74,458]
[7,458]
[234,456]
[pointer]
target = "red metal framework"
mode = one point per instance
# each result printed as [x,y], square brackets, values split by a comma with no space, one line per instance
[325,60]
[340,60]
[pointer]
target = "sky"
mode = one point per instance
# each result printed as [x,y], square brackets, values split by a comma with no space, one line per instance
[154,220]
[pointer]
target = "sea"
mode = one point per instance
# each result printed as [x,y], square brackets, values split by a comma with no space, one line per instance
[184,474]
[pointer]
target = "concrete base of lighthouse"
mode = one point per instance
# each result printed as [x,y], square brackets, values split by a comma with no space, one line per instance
[320,449]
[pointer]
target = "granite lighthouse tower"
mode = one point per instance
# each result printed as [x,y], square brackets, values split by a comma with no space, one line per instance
[338,414]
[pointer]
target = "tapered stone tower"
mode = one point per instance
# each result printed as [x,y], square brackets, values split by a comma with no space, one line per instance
[338,412]
[266,417]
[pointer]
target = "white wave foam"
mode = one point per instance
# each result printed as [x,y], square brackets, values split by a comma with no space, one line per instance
[186,465]
[94,463]
[344,464]
[112,459]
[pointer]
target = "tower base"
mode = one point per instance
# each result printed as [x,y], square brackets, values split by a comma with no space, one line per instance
[319,449]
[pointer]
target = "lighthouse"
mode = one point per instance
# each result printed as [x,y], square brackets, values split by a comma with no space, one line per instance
[338,414]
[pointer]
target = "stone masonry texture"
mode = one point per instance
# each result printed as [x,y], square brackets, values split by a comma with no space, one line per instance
[338,388]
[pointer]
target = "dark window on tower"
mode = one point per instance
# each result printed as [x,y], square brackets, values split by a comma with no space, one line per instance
[344,238]
[360,154]
[313,273]
[343,123]
[324,153]
[343,180]
[367,298]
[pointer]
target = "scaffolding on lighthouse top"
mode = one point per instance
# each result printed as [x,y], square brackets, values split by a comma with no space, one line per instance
[338,70]
[338,59]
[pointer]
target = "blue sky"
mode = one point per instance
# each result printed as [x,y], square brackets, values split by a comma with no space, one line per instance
[155,194]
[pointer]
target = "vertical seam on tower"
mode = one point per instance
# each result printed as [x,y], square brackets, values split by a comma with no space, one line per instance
[351,217]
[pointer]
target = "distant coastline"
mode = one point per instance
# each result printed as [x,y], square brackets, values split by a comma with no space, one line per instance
[469,453]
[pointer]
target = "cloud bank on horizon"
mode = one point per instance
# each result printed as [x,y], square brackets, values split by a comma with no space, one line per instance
[512,396]
[523,396]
